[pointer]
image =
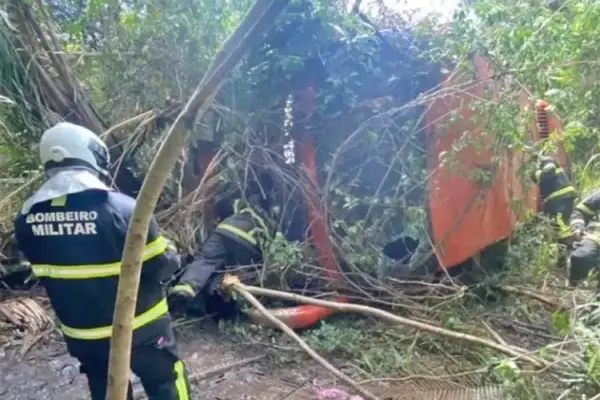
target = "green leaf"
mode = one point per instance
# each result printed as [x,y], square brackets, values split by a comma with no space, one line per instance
[561,322]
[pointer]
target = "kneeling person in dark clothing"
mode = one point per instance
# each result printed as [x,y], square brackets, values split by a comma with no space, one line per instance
[586,255]
[238,240]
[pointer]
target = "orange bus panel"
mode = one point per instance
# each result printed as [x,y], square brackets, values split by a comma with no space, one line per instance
[469,214]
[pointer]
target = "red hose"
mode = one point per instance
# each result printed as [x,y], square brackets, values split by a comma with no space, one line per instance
[318,227]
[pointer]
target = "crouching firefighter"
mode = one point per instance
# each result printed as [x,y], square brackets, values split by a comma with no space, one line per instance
[558,198]
[72,231]
[586,255]
[238,240]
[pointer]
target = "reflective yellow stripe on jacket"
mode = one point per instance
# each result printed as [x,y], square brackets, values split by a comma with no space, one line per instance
[560,193]
[585,209]
[104,332]
[239,232]
[92,271]
[239,207]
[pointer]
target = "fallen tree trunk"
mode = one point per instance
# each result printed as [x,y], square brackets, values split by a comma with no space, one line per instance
[257,21]
[389,317]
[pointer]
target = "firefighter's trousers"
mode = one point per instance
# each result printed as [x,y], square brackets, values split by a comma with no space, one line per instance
[155,361]
[559,211]
[584,259]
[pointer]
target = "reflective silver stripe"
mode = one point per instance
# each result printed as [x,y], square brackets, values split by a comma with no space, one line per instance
[91,271]
[103,332]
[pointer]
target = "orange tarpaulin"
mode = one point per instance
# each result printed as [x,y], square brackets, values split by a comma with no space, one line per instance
[473,202]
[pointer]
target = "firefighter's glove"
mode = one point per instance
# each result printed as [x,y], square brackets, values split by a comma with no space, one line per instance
[228,283]
[230,280]
[179,297]
[221,285]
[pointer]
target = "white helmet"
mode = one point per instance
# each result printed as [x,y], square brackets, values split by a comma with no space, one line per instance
[70,145]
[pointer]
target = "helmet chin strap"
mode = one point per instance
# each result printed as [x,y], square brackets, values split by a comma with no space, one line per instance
[51,172]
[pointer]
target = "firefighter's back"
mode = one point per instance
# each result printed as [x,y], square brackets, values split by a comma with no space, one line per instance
[74,244]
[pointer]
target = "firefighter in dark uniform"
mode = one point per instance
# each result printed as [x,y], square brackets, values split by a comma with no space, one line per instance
[237,241]
[586,255]
[72,231]
[558,197]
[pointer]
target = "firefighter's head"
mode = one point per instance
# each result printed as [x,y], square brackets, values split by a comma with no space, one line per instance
[67,145]
[546,163]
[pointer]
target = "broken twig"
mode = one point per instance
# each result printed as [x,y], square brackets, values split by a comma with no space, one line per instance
[138,394]
[395,319]
[531,294]
[234,283]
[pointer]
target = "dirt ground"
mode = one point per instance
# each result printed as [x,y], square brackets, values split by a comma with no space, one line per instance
[43,370]
[47,372]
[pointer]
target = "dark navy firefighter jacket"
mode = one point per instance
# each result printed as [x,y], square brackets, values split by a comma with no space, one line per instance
[74,244]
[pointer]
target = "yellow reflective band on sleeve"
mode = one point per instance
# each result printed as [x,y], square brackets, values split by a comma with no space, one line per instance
[154,313]
[585,209]
[564,230]
[183,288]
[238,232]
[92,271]
[560,222]
[59,201]
[561,192]
[181,383]
[155,248]
[257,218]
